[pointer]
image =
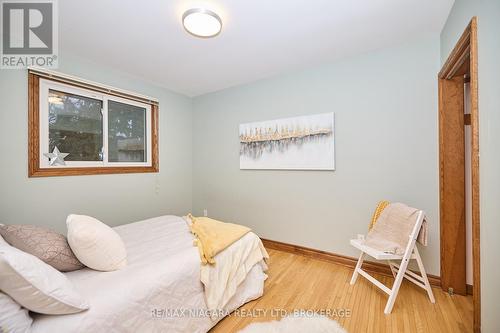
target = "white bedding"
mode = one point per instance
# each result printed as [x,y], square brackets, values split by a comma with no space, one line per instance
[230,270]
[158,291]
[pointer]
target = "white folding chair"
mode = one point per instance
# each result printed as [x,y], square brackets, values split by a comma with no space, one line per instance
[399,271]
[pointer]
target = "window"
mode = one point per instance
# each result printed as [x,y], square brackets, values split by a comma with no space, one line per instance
[74,126]
[95,129]
[126,132]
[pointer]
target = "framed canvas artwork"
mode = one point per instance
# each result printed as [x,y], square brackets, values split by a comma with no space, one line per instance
[298,143]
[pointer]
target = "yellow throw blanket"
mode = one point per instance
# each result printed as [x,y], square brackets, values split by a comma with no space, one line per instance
[380,207]
[214,236]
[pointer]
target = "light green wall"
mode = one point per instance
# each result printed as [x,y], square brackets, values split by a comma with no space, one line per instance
[488,13]
[385,106]
[114,199]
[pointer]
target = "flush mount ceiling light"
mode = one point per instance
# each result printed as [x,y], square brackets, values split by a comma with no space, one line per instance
[202,23]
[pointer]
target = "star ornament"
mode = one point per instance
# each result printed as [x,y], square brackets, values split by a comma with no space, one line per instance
[56,157]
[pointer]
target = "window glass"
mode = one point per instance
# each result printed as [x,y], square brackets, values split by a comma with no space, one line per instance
[75,126]
[126,133]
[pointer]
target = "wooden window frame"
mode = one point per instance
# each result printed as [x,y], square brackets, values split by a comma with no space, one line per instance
[35,169]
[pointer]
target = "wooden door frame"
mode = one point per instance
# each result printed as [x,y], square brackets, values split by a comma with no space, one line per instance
[466,50]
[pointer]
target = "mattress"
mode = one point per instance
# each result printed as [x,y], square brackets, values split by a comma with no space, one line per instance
[158,291]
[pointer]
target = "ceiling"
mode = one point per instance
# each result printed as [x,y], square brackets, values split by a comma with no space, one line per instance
[259,38]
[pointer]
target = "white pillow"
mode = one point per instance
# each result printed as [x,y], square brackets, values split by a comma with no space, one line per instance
[35,285]
[95,244]
[13,318]
[3,241]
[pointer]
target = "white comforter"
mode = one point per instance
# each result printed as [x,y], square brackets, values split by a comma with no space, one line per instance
[160,289]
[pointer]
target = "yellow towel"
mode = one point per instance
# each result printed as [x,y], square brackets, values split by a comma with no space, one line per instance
[213,236]
[380,207]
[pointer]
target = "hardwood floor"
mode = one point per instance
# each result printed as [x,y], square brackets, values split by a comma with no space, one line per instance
[300,283]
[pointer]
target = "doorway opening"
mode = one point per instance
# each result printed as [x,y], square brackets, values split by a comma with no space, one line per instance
[459,171]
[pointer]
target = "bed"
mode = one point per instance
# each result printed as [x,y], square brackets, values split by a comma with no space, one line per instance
[160,289]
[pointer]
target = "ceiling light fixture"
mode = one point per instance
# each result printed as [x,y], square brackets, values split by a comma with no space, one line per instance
[201,22]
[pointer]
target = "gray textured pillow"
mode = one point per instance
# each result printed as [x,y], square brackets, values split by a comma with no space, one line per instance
[47,245]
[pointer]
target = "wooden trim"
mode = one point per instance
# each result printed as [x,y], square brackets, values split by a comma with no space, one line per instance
[476,260]
[467,44]
[90,85]
[369,266]
[33,124]
[470,289]
[155,143]
[45,172]
[34,169]
[458,55]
